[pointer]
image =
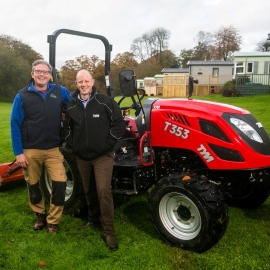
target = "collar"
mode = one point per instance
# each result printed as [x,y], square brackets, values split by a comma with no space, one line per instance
[84,101]
[32,87]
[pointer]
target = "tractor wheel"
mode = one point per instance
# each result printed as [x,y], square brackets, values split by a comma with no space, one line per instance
[188,213]
[246,194]
[74,196]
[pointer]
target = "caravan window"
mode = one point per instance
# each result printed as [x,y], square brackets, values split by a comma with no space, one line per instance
[215,72]
[239,68]
[250,67]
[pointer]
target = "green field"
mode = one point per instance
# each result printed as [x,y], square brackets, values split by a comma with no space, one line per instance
[245,245]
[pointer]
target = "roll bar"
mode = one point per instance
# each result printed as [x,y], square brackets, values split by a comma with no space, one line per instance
[51,39]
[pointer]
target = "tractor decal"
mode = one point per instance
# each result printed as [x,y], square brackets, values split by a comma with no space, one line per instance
[176,130]
[205,154]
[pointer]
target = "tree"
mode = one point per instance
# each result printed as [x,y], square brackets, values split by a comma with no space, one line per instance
[125,60]
[19,48]
[263,46]
[68,74]
[161,37]
[151,45]
[97,67]
[226,42]
[14,72]
[201,51]
[99,76]
[16,59]
[185,56]
[122,61]
[71,67]
[169,60]
[220,45]
[138,49]
[147,69]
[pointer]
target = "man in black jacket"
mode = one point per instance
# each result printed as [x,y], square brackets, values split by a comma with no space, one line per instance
[93,123]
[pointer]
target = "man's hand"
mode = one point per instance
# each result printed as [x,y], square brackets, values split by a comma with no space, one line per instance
[22,160]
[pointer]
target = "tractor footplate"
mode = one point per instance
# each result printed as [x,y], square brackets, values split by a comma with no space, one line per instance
[124,192]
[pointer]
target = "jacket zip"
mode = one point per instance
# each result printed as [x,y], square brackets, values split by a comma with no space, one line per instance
[86,127]
[47,118]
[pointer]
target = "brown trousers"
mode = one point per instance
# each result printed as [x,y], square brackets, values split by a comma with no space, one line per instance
[98,190]
[53,160]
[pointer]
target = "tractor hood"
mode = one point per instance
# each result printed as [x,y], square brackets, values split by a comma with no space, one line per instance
[217,132]
[198,106]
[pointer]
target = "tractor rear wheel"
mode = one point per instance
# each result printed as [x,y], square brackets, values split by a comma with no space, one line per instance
[188,213]
[74,196]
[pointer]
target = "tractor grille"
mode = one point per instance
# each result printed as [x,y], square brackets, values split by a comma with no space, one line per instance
[226,153]
[178,118]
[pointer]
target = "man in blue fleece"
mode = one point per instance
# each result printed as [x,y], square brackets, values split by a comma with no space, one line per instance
[36,136]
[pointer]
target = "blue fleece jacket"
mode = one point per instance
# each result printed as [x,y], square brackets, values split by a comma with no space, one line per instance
[17,114]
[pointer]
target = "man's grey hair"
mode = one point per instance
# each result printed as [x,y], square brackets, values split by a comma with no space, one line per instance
[43,62]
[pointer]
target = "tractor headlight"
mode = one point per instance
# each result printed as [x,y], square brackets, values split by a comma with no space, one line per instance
[246,129]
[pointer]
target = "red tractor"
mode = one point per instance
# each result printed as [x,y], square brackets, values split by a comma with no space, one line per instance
[192,156]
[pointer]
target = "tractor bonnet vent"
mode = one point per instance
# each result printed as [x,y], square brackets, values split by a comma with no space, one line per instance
[179,118]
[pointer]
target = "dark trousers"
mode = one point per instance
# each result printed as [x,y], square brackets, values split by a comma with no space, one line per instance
[98,190]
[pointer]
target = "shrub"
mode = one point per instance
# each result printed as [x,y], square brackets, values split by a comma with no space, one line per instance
[229,90]
[226,92]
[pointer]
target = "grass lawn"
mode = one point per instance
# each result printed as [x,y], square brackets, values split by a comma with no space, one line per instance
[245,245]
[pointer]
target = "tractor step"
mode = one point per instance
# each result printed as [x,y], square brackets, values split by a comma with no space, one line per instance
[128,163]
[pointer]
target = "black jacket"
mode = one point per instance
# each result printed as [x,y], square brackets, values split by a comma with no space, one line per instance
[93,131]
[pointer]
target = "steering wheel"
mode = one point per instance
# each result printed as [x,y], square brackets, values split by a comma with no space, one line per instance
[136,104]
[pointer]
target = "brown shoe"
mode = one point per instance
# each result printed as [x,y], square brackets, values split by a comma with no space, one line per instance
[41,222]
[52,228]
[111,242]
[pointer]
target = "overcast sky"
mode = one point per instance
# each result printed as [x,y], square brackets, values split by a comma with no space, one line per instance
[121,21]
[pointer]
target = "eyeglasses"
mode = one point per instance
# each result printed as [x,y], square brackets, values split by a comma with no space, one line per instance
[45,72]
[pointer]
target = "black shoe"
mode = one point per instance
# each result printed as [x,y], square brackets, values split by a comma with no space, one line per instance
[90,224]
[41,222]
[52,228]
[111,242]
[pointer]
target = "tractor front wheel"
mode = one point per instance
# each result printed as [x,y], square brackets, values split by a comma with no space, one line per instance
[188,213]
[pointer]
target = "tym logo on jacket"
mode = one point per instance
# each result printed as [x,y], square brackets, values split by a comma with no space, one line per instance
[53,96]
[95,115]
